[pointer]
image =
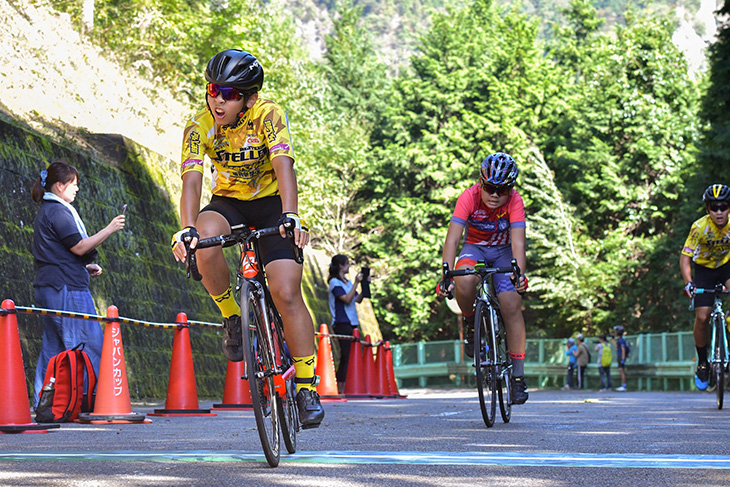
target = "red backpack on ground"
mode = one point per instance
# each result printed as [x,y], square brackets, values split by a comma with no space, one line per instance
[67,398]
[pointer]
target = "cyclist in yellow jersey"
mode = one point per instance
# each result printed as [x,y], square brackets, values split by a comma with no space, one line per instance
[253,182]
[708,246]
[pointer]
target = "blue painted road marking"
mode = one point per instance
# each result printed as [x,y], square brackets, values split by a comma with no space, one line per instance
[405,458]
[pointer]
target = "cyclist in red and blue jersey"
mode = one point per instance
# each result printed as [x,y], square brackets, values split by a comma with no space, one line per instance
[493,214]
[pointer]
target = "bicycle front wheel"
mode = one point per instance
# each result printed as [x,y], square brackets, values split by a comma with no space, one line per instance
[258,354]
[504,369]
[718,364]
[484,364]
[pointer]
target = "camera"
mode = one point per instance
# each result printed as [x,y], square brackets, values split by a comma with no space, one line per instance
[365,271]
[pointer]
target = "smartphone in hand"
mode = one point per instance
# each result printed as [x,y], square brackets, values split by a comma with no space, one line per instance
[365,271]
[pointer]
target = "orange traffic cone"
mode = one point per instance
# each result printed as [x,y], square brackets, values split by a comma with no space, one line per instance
[391,373]
[237,393]
[327,387]
[14,406]
[355,385]
[182,393]
[112,403]
[371,376]
[381,370]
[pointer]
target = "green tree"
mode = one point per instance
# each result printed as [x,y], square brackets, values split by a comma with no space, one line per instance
[349,106]
[621,148]
[475,87]
[714,157]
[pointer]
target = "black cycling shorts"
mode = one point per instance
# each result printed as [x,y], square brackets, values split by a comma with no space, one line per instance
[259,213]
[707,278]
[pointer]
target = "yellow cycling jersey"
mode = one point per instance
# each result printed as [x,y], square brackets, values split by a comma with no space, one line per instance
[241,154]
[708,245]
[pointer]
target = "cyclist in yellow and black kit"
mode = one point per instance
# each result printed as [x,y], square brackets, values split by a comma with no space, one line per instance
[708,246]
[254,183]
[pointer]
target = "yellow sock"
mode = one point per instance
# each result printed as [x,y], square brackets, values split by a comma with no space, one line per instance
[227,303]
[304,367]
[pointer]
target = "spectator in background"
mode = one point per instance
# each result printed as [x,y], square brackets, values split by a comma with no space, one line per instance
[63,254]
[343,297]
[605,357]
[571,351]
[621,351]
[582,357]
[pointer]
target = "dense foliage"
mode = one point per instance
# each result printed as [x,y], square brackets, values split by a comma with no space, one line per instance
[603,118]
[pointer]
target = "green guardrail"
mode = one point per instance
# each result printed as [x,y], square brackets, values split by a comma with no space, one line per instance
[658,361]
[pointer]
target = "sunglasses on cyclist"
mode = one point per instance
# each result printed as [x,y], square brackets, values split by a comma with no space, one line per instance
[228,93]
[494,189]
[719,206]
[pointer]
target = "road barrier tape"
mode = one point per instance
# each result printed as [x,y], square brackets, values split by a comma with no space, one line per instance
[147,324]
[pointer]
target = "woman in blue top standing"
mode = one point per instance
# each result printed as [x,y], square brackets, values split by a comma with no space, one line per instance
[571,351]
[342,298]
[63,254]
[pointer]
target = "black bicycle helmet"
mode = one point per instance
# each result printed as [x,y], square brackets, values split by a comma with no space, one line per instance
[716,192]
[499,169]
[237,69]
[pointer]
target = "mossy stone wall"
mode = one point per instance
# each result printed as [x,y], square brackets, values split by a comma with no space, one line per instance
[140,275]
[141,278]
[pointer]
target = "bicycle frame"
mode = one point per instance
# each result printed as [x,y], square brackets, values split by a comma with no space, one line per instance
[249,270]
[718,354]
[717,316]
[486,294]
[717,319]
[269,368]
[491,356]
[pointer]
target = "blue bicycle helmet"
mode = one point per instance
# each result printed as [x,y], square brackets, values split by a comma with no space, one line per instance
[499,169]
[716,192]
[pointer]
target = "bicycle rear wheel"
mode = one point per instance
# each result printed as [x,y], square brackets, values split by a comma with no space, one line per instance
[718,366]
[505,370]
[484,362]
[289,417]
[286,394]
[257,353]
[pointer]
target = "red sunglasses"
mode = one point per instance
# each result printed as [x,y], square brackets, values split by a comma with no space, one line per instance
[228,93]
[494,189]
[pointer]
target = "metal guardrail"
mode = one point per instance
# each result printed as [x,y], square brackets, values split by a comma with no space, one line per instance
[663,361]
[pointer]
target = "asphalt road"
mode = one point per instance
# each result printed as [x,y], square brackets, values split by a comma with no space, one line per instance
[432,438]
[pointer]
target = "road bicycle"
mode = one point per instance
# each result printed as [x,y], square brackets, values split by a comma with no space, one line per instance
[269,366]
[492,364]
[718,358]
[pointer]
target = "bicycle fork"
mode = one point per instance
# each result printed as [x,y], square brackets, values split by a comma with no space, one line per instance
[502,362]
[719,332]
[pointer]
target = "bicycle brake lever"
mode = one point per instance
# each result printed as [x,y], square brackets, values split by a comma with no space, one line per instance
[445,274]
[516,272]
[298,253]
[191,264]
